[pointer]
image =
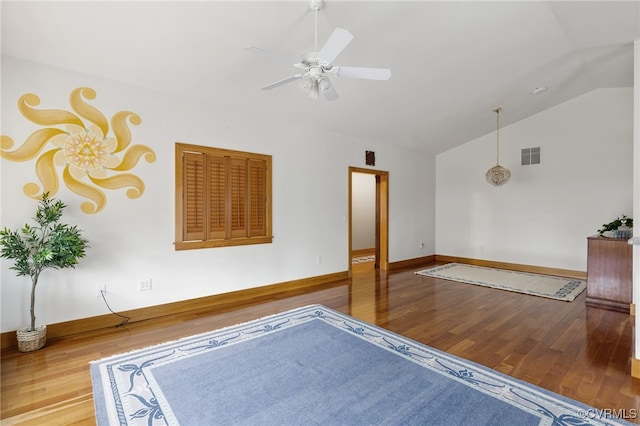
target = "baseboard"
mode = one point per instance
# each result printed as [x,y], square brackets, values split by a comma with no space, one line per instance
[567,273]
[611,305]
[412,263]
[68,328]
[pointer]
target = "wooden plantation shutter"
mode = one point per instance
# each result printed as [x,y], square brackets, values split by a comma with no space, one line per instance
[257,197]
[194,213]
[223,197]
[238,197]
[216,196]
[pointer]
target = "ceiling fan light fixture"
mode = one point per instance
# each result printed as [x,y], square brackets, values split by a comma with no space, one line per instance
[313,91]
[306,83]
[314,82]
[324,84]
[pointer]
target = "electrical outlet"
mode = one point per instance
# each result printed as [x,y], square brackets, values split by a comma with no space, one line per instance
[144,285]
[100,288]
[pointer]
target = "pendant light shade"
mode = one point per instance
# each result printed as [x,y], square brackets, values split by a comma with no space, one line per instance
[498,175]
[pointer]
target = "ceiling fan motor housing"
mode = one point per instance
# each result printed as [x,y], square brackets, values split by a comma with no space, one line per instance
[311,59]
[316,73]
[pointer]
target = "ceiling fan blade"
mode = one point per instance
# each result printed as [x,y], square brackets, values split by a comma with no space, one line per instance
[271,55]
[338,40]
[282,82]
[330,94]
[366,73]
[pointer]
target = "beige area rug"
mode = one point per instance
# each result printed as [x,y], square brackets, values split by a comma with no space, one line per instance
[363,259]
[558,288]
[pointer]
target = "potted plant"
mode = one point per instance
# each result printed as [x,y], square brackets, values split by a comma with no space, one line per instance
[33,249]
[618,228]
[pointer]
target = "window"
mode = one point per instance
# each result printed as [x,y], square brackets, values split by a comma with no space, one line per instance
[223,197]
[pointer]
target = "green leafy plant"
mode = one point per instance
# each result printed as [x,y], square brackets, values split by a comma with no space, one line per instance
[51,244]
[618,222]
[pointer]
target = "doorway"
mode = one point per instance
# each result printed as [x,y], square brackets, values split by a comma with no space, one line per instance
[381,238]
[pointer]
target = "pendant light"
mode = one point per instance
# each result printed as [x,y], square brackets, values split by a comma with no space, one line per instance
[498,175]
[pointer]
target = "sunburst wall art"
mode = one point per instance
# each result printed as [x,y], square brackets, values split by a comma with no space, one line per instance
[89,159]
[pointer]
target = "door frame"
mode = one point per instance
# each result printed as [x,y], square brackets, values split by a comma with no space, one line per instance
[382,216]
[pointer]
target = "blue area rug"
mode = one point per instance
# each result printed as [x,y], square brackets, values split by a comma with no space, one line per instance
[314,365]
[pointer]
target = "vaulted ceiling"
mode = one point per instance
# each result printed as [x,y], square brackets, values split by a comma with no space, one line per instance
[452,62]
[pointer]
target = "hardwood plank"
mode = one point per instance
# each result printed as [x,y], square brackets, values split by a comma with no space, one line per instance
[566,347]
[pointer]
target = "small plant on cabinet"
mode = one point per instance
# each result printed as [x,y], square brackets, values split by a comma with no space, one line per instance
[622,223]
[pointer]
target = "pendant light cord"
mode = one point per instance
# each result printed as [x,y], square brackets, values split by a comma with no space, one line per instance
[497,111]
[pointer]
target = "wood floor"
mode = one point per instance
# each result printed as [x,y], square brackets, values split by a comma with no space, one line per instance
[580,352]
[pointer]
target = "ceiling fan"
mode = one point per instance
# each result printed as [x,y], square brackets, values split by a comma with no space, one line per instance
[318,65]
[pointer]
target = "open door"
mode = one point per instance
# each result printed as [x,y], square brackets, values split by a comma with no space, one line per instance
[381,216]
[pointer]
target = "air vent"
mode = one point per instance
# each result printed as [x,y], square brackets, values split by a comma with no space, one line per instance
[530,156]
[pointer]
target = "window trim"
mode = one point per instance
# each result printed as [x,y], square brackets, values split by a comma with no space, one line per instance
[180,243]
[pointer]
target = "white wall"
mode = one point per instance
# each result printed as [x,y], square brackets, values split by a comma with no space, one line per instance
[131,240]
[544,214]
[363,211]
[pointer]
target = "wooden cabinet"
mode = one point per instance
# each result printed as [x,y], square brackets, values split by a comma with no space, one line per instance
[609,273]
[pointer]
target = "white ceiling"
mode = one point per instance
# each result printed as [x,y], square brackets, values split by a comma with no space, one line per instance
[452,62]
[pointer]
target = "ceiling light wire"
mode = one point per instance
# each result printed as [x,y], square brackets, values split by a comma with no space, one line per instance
[497,111]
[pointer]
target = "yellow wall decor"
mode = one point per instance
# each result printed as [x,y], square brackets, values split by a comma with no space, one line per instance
[85,152]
